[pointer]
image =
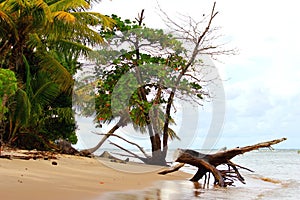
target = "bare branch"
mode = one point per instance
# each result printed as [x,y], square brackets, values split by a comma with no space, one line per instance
[173,169]
[135,155]
[132,143]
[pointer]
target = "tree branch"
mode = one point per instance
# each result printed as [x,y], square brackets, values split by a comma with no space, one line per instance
[135,155]
[173,169]
[132,143]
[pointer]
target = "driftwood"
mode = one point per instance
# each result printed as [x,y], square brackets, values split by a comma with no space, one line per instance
[208,163]
[27,155]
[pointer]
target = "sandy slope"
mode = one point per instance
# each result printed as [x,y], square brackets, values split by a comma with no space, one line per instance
[73,178]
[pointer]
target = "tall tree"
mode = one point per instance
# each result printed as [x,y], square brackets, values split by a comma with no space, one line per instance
[109,77]
[41,41]
[147,70]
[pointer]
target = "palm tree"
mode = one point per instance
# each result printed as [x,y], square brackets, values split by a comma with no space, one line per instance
[44,37]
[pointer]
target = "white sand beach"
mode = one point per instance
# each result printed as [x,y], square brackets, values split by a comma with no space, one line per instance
[76,178]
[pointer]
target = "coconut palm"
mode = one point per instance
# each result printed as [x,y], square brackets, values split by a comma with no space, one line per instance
[44,38]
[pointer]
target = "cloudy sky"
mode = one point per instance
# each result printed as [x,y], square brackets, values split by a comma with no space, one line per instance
[261,83]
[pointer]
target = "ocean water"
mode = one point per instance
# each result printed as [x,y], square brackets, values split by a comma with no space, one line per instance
[276,176]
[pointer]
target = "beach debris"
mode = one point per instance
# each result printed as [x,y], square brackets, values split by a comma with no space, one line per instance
[54,163]
[207,163]
[27,155]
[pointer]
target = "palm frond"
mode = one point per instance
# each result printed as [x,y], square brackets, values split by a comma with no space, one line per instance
[28,76]
[22,109]
[74,32]
[69,5]
[5,18]
[94,19]
[66,17]
[57,72]
[34,41]
[172,134]
[64,45]
[40,12]
[7,24]
[46,93]
[13,6]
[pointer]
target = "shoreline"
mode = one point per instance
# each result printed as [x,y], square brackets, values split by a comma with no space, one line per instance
[75,177]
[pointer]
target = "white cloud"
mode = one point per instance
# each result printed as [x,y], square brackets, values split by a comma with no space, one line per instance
[262,86]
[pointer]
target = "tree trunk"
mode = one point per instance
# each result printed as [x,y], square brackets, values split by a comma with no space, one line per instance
[104,138]
[208,163]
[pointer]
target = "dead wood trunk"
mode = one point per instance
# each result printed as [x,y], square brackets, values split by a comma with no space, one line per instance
[208,163]
[87,152]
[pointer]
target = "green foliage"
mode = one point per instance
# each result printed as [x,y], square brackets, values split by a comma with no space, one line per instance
[41,42]
[8,82]
[131,29]
[59,123]
[8,87]
[118,88]
[135,75]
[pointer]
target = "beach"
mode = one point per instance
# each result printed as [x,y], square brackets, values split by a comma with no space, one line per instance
[74,177]
[276,176]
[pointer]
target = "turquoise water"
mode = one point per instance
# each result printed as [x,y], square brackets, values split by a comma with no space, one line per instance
[276,176]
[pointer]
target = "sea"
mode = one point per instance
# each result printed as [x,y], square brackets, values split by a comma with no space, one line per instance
[276,176]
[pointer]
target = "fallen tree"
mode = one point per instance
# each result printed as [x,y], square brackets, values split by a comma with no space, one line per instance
[207,163]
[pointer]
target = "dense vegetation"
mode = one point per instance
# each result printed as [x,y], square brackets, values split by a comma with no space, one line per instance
[40,44]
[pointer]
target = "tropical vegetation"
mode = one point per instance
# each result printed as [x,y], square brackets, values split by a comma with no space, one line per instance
[41,42]
[139,72]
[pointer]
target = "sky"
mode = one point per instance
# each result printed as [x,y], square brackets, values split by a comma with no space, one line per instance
[261,82]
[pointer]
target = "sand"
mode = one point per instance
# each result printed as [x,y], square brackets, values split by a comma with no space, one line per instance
[76,178]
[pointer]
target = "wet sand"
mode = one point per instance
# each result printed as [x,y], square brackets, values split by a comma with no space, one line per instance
[75,178]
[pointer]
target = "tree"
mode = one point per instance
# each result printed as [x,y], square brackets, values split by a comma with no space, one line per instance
[111,80]
[41,42]
[208,163]
[157,68]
